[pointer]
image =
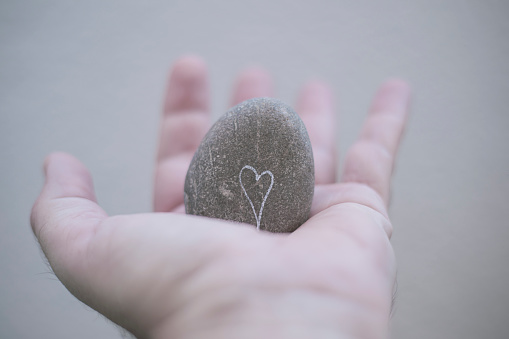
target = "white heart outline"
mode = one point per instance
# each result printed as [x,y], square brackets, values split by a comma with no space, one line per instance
[257,177]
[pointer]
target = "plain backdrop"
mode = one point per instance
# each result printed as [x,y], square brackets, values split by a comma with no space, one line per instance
[88,78]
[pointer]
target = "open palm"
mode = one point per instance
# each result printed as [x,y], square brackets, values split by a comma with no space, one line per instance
[170,275]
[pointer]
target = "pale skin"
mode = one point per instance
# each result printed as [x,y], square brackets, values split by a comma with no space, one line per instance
[171,275]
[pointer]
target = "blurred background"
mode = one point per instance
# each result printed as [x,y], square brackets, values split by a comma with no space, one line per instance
[88,78]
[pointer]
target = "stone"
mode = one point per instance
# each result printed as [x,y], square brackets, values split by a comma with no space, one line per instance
[255,166]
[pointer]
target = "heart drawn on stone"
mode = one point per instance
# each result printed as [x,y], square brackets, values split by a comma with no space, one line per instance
[258,216]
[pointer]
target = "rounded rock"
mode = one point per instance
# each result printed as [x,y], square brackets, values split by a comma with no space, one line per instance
[255,166]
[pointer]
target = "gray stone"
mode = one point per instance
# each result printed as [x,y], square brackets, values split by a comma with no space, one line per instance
[255,165]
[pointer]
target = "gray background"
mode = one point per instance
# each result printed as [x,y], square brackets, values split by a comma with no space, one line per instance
[88,78]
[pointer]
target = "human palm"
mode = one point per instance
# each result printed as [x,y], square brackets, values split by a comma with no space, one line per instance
[163,275]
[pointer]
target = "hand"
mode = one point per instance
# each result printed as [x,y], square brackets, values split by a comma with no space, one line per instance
[170,275]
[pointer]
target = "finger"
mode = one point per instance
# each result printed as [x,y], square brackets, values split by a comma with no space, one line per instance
[186,109]
[326,196]
[370,160]
[315,107]
[252,83]
[66,213]
[184,124]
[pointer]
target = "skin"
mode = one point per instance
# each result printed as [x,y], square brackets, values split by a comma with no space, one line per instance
[170,275]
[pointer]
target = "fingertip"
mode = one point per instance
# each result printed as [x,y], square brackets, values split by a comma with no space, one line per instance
[187,85]
[58,156]
[315,96]
[48,159]
[253,82]
[188,70]
[188,67]
[255,74]
[395,84]
[392,96]
[190,58]
[66,176]
[396,81]
[63,162]
[317,86]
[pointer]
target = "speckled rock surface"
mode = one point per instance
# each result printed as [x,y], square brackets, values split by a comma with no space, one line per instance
[255,166]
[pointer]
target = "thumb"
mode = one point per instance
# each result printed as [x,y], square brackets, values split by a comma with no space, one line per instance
[66,213]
